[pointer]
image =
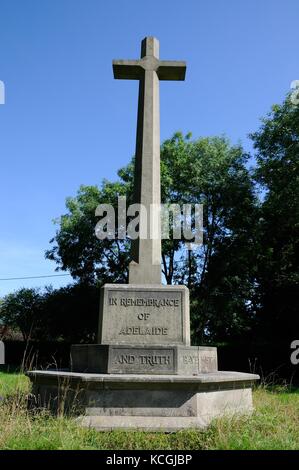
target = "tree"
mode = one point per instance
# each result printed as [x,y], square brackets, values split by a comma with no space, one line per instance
[277,147]
[220,274]
[23,310]
[72,313]
[69,314]
[76,247]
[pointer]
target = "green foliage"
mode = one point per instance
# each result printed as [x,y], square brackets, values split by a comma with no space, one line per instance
[69,313]
[72,313]
[206,171]
[221,273]
[76,247]
[277,146]
[23,310]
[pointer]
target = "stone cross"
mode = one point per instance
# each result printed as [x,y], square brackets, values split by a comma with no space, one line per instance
[145,267]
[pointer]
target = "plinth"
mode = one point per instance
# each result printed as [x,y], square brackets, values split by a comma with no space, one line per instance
[146,375]
[145,402]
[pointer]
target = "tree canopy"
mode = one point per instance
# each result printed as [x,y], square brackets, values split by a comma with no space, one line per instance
[206,171]
[277,151]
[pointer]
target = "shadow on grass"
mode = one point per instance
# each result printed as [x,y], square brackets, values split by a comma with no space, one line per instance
[282,389]
[10,369]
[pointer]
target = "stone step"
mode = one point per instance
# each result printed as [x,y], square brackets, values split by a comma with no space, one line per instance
[142,423]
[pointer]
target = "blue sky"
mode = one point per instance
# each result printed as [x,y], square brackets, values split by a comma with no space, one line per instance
[66,122]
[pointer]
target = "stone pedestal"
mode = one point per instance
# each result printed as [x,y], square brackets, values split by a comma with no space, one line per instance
[144,329]
[146,376]
[145,402]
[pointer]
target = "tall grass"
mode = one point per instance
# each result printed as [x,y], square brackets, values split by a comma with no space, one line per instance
[273,425]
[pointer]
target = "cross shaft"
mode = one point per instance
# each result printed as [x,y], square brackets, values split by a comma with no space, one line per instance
[145,267]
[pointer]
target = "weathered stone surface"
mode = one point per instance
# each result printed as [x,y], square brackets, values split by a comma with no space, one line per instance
[136,381]
[145,267]
[142,360]
[170,411]
[142,423]
[150,402]
[196,360]
[116,359]
[153,315]
[2,353]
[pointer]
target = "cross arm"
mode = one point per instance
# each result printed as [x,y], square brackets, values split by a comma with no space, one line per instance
[171,70]
[127,69]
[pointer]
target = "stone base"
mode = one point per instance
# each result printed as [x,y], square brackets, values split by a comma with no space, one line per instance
[145,402]
[144,423]
[117,359]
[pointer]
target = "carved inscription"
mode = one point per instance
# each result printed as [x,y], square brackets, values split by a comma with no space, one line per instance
[198,360]
[141,316]
[152,360]
[141,360]
[137,330]
[208,363]
[189,359]
[141,302]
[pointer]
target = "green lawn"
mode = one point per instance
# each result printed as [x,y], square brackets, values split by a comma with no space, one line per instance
[274,425]
[13,383]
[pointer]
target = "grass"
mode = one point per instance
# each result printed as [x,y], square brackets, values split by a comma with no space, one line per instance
[273,425]
[13,383]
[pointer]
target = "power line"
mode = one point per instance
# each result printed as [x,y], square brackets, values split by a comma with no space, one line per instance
[33,277]
[60,275]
